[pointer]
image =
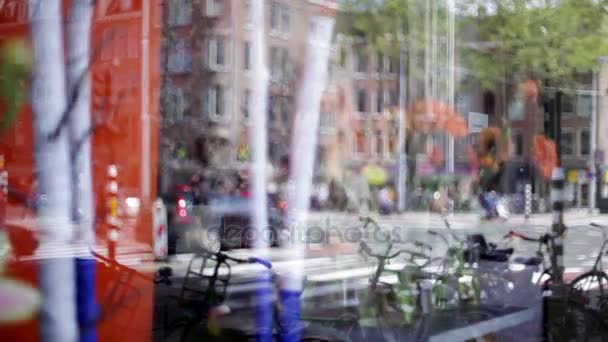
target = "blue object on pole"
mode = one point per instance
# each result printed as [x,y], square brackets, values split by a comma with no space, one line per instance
[86,299]
[264,309]
[290,315]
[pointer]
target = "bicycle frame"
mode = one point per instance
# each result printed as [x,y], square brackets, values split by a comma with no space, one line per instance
[598,265]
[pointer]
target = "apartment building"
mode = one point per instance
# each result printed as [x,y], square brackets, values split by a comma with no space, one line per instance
[207,64]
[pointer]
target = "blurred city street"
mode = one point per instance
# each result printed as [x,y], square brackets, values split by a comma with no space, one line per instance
[335,267]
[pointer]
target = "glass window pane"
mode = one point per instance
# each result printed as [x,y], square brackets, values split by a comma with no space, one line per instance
[584,105]
[585,143]
[567,143]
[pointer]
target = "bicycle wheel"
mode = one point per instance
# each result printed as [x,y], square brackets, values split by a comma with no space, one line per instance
[567,320]
[593,287]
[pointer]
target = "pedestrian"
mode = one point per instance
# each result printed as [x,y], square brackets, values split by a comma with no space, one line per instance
[384,200]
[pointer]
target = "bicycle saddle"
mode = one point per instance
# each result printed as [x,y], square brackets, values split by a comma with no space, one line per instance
[532,261]
[497,255]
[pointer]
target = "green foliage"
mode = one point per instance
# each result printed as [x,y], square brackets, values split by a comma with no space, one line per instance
[556,41]
[15,67]
[498,40]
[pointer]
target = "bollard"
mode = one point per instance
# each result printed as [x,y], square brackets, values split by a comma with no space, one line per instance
[528,200]
[112,217]
[558,228]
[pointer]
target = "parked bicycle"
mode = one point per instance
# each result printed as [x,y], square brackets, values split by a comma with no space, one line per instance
[202,312]
[592,285]
[566,318]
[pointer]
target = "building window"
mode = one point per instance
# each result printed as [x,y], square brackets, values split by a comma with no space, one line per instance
[176,102]
[218,56]
[180,12]
[328,120]
[519,145]
[280,18]
[214,8]
[247,56]
[180,59]
[248,13]
[280,65]
[285,110]
[379,63]
[379,144]
[568,104]
[279,110]
[585,142]
[361,62]
[584,105]
[394,97]
[343,56]
[246,104]
[361,101]
[379,101]
[360,143]
[567,143]
[216,101]
[393,65]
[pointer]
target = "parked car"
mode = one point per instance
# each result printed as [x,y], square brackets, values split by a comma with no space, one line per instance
[235,227]
[181,218]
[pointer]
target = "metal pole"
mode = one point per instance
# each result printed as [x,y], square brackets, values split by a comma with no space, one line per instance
[451,80]
[402,158]
[593,144]
[528,199]
[258,140]
[558,181]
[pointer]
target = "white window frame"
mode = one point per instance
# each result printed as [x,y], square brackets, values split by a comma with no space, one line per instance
[213,8]
[212,49]
[284,29]
[211,103]
[247,15]
[360,74]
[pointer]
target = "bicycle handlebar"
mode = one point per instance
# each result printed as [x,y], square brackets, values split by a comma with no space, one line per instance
[262,262]
[365,248]
[511,233]
[251,260]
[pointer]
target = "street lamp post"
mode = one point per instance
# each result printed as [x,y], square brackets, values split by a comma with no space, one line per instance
[402,158]
[593,130]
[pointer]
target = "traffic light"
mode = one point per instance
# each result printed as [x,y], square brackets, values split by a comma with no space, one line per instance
[102,90]
[553,120]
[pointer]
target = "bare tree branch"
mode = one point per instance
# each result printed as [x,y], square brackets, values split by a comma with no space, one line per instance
[97,125]
[75,92]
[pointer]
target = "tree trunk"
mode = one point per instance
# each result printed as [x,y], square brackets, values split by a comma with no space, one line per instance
[79,33]
[79,28]
[58,311]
